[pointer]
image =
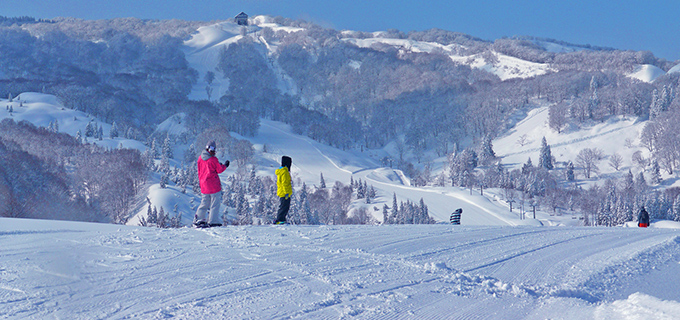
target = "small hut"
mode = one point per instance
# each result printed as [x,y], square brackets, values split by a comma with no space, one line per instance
[241,19]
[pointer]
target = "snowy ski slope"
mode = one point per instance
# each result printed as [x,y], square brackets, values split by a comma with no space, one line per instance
[70,270]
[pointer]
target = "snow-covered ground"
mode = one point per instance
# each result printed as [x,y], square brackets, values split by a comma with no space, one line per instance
[70,270]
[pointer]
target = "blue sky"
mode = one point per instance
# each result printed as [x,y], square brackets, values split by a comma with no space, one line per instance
[624,24]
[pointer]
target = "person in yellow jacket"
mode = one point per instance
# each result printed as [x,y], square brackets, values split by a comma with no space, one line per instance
[284,189]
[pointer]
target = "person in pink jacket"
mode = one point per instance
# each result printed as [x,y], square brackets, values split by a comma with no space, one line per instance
[209,169]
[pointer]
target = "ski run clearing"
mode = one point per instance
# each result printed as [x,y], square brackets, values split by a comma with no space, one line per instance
[71,270]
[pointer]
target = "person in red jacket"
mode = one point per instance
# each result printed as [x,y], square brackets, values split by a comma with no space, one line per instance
[209,169]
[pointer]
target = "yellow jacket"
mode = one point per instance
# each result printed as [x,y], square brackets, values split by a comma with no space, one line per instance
[283,183]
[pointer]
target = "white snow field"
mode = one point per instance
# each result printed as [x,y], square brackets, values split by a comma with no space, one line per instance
[71,270]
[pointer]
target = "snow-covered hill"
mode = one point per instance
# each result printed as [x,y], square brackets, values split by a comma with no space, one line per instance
[647,73]
[69,270]
[43,109]
[203,48]
[311,159]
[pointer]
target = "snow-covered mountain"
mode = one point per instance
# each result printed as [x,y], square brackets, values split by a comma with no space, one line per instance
[499,264]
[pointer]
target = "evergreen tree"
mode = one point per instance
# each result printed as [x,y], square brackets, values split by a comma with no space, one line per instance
[545,157]
[90,129]
[162,219]
[676,209]
[641,184]
[152,215]
[154,149]
[395,209]
[570,171]
[113,133]
[361,191]
[386,214]
[486,153]
[79,137]
[322,183]
[527,167]
[656,172]
[242,208]
[167,147]
[164,181]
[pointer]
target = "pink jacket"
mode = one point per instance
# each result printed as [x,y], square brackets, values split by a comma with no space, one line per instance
[208,170]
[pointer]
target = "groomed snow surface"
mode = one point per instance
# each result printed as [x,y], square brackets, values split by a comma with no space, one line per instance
[71,270]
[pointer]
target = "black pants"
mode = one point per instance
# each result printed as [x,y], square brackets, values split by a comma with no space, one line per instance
[284,206]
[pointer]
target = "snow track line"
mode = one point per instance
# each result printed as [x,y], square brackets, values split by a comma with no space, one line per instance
[526,252]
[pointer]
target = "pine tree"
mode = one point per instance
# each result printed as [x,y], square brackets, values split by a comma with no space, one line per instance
[676,209]
[570,171]
[527,167]
[154,149]
[152,215]
[656,172]
[162,219]
[386,214]
[545,157]
[167,147]
[361,192]
[486,153]
[641,184]
[395,209]
[242,208]
[79,137]
[164,181]
[113,133]
[89,129]
[322,183]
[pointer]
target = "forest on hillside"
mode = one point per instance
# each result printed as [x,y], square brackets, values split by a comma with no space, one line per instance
[134,72]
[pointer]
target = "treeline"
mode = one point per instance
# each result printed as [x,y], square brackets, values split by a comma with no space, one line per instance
[552,186]
[9,21]
[51,175]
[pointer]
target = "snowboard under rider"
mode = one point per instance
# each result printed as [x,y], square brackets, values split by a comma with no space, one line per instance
[284,189]
[643,218]
[209,169]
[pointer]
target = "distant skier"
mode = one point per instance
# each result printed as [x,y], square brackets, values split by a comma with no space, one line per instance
[455,216]
[643,218]
[284,189]
[211,187]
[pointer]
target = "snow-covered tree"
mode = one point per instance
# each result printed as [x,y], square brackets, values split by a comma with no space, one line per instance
[545,159]
[569,173]
[167,147]
[113,133]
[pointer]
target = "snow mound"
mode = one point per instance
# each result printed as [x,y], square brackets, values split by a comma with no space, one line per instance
[646,73]
[386,175]
[639,306]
